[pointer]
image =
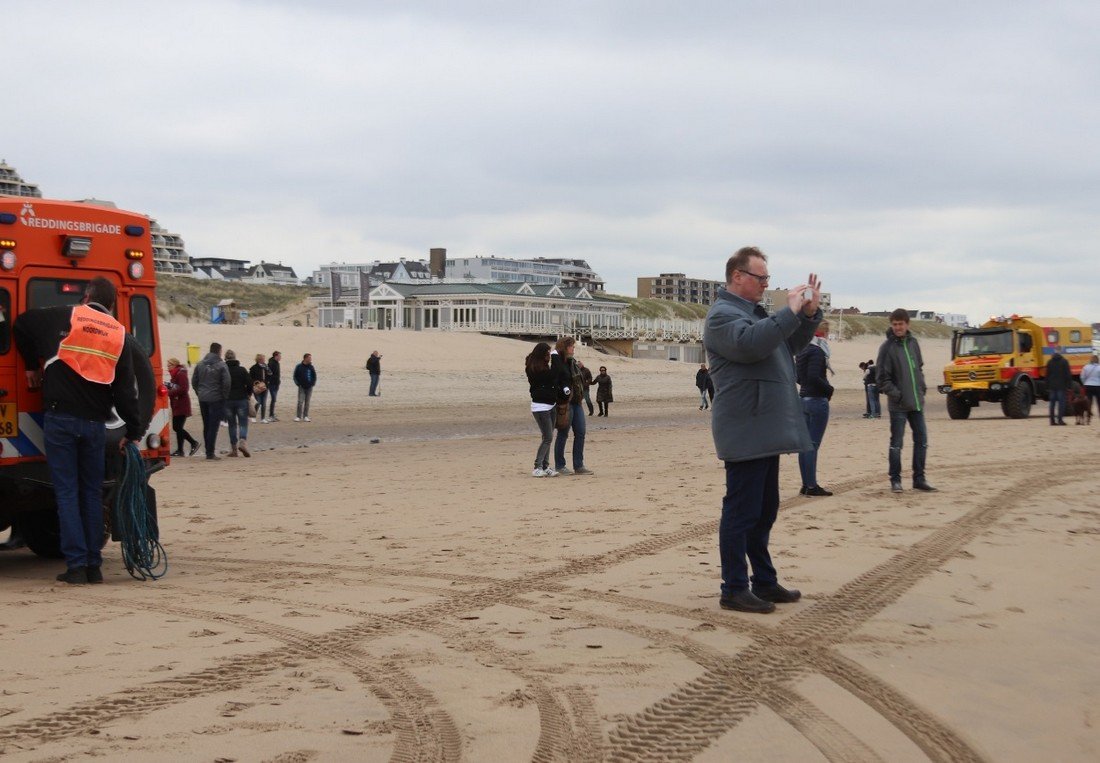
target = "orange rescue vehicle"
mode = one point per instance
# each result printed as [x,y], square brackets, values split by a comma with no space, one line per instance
[49,250]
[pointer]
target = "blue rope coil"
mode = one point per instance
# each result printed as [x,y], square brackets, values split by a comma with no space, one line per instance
[144,557]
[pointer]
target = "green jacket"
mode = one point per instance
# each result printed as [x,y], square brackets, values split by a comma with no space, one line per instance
[901,372]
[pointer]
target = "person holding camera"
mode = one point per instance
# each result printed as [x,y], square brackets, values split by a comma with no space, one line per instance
[374,368]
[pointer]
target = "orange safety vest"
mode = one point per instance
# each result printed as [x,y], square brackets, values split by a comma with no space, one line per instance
[93,345]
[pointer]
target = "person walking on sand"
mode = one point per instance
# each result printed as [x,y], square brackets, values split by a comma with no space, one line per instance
[900,377]
[259,375]
[240,390]
[1090,379]
[211,382]
[305,378]
[1059,379]
[756,417]
[816,392]
[586,377]
[547,389]
[604,398]
[563,364]
[274,378]
[374,368]
[702,381]
[179,397]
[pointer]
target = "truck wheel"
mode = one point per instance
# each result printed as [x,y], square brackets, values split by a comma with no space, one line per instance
[42,533]
[1017,403]
[957,407]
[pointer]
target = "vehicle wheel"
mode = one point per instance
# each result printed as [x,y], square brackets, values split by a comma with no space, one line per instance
[42,533]
[1017,403]
[957,407]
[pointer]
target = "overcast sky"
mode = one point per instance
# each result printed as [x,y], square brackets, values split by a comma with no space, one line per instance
[935,155]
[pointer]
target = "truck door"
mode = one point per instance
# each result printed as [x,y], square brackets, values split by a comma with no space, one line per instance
[9,413]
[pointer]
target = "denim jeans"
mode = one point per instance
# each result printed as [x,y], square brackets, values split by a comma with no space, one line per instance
[703,398]
[261,405]
[74,454]
[304,394]
[211,419]
[1057,404]
[374,384]
[273,392]
[873,407]
[579,429]
[545,421]
[816,411]
[237,411]
[897,438]
[749,510]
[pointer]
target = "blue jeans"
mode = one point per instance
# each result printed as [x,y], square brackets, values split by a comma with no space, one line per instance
[261,405]
[897,438]
[374,384]
[273,392]
[578,427]
[703,398]
[304,394]
[873,407]
[237,411]
[74,454]
[816,411]
[749,510]
[545,421]
[1057,404]
[211,419]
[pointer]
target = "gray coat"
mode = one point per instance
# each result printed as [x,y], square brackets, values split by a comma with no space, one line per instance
[901,372]
[210,379]
[756,410]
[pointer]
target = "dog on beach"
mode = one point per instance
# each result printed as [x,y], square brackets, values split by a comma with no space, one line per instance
[1078,404]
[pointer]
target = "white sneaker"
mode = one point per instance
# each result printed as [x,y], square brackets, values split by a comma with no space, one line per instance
[225,423]
[253,419]
[548,472]
[306,418]
[538,473]
[297,419]
[265,421]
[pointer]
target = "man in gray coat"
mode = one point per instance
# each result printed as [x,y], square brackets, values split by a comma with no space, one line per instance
[210,380]
[757,416]
[901,379]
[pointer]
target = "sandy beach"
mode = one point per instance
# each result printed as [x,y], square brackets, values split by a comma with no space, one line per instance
[424,598]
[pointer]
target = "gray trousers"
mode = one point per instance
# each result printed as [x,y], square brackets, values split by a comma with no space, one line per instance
[545,420]
[304,394]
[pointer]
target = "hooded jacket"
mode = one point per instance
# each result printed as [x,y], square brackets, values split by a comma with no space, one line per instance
[901,372]
[240,381]
[211,379]
[179,393]
[756,411]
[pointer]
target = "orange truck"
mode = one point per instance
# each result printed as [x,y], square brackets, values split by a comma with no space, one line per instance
[49,250]
[1005,361]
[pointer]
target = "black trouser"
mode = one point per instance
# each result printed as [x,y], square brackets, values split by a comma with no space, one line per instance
[588,401]
[181,434]
[603,407]
[212,414]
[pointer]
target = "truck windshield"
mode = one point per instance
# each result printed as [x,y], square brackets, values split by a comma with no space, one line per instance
[994,343]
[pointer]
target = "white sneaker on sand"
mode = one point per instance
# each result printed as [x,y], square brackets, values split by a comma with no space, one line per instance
[297,418]
[538,473]
[306,418]
[265,421]
[548,472]
[253,419]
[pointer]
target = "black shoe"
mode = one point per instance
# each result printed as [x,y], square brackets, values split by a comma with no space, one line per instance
[74,576]
[895,486]
[777,594]
[213,458]
[177,454]
[746,601]
[802,490]
[923,485]
[194,449]
[817,490]
[95,574]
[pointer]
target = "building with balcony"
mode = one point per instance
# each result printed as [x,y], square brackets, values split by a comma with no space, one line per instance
[219,268]
[576,274]
[169,256]
[11,184]
[504,270]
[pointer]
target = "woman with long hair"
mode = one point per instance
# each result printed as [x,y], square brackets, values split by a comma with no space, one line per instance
[604,397]
[546,391]
[562,361]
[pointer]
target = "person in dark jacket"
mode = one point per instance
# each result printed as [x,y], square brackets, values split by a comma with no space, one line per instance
[604,396]
[546,387]
[901,378]
[374,368]
[757,416]
[85,362]
[211,382]
[586,377]
[870,390]
[812,366]
[305,377]
[240,390]
[179,396]
[563,363]
[702,383]
[259,375]
[1059,379]
[274,378]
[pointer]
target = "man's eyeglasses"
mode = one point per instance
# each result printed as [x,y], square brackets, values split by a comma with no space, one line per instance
[762,279]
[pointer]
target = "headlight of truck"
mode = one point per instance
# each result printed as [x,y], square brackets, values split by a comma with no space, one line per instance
[152,442]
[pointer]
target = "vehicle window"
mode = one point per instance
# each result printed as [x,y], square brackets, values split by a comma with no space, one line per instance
[997,343]
[49,292]
[1025,341]
[1075,336]
[1052,337]
[5,321]
[141,322]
